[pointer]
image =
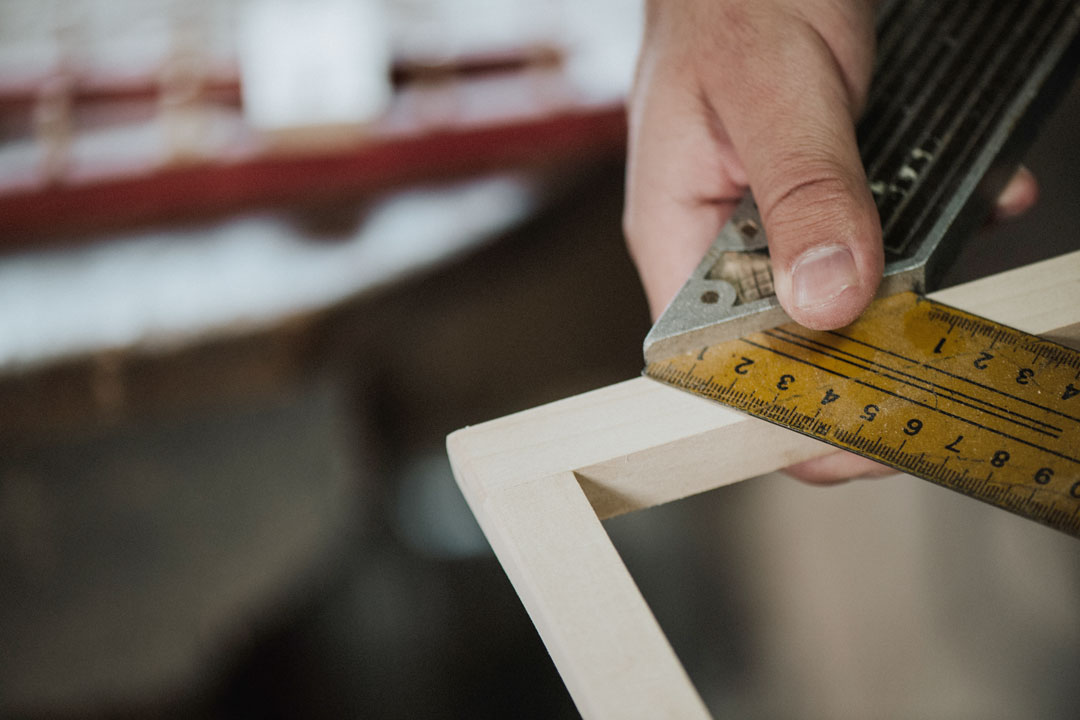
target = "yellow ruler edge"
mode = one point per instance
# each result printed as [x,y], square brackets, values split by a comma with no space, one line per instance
[937,392]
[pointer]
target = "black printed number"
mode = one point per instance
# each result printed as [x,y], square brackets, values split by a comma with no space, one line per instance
[914,425]
[870,412]
[980,362]
[1024,375]
[785,381]
[1000,458]
[1070,390]
[830,396]
[1043,476]
[741,368]
[955,444]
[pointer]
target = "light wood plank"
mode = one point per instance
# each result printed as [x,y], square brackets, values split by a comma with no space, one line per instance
[607,645]
[638,443]
[539,481]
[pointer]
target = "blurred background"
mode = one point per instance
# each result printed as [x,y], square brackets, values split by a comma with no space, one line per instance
[257,259]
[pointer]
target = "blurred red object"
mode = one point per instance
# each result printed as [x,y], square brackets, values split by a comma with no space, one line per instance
[105,154]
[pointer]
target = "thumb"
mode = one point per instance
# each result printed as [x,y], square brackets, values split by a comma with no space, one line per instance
[791,121]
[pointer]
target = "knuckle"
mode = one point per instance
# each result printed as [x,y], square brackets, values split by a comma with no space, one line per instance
[808,198]
[819,208]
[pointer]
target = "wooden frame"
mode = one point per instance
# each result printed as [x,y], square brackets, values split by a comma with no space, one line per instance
[540,482]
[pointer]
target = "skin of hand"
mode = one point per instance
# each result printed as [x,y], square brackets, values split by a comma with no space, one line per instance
[762,94]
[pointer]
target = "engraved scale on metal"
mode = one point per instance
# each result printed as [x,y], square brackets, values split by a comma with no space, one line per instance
[930,390]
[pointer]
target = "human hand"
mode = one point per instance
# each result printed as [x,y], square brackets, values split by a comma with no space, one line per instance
[731,94]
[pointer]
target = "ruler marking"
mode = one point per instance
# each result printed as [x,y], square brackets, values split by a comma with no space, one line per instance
[1006,482]
[966,420]
[933,386]
[914,402]
[797,359]
[932,389]
[960,377]
[977,326]
[910,400]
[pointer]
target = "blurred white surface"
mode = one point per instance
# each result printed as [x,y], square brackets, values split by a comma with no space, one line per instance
[325,62]
[170,286]
[117,37]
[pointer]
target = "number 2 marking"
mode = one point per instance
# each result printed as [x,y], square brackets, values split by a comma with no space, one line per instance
[740,369]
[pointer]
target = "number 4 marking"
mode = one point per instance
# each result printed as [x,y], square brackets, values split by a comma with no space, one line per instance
[1070,390]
